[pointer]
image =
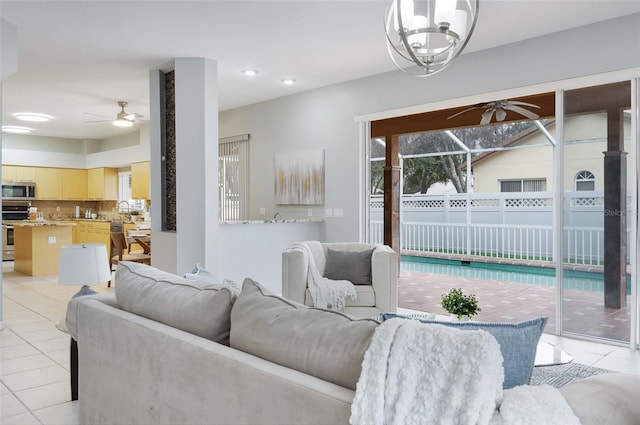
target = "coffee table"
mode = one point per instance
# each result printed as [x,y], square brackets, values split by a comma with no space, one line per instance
[548,355]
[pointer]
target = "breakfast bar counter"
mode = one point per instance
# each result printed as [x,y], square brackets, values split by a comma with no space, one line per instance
[37,246]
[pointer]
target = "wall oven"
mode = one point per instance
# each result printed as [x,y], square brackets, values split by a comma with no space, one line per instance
[7,243]
[11,211]
[16,191]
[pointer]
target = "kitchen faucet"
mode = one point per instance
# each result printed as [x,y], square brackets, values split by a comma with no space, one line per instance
[127,204]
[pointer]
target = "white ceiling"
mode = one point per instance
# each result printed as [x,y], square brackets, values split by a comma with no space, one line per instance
[78,57]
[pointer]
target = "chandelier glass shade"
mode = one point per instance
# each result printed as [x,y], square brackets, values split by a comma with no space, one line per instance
[424,36]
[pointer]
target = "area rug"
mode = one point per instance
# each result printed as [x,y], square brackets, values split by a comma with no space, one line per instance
[559,376]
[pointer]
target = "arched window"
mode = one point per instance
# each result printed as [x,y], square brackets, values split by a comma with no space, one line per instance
[585,180]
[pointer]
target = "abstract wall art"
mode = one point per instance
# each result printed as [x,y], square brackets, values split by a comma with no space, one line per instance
[299,178]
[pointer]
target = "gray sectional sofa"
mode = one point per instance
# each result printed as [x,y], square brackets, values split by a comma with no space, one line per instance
[167,350]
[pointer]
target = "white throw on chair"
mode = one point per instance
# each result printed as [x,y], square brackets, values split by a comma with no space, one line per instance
[378,295]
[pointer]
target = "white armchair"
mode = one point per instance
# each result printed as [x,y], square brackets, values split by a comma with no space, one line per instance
[380,296]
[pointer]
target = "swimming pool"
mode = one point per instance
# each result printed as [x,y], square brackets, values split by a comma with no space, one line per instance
[541,276]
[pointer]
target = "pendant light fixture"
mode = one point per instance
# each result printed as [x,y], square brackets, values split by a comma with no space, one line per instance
[424,36]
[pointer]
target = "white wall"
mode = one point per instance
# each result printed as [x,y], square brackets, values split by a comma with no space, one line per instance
[255,250]
[324,118]
[39,151]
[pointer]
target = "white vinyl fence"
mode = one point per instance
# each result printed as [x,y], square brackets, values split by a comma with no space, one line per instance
[499,225]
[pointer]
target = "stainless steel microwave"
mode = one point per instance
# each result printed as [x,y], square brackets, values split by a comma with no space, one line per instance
[14,191]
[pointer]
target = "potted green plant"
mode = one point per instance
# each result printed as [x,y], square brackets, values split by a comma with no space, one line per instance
[459,304]
[134,215]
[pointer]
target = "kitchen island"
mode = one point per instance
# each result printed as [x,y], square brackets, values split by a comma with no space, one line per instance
[38,244]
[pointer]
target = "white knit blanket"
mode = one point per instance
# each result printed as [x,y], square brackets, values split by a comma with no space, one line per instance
[325,293]
[428,374]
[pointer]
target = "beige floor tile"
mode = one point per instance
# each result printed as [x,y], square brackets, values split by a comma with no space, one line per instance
[36,378]
[3,388]
[9,339]
[45,335]
[619,365]
[22,326]
[16,351]
[26,418]
[45,395]
[11,406]
[61,414]
[61,357]
[23,364]
[56,344]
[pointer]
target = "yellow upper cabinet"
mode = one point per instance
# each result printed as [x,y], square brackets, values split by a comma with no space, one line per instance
[16,173]
[9,173]
[74,184]
[102,184]
[48,183]
[140,177]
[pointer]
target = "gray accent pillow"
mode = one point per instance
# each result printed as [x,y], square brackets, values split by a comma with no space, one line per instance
[197,307]
[354,266]
[326,344]
[518,344]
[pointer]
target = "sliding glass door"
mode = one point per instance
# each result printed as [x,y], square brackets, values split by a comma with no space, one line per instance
[596,194]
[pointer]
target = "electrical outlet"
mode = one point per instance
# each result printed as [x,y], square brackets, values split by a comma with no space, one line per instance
[51,239]
[338,212]
[309,212]
[57,209]
[263,212]
[328,212]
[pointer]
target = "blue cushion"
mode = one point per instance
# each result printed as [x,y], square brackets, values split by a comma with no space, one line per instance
[518,343]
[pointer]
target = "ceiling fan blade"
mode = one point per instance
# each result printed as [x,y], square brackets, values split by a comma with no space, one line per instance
[96,115]
[517,102]
[486,117]
[134,116]
[462,112]
[91,122]
[524,112]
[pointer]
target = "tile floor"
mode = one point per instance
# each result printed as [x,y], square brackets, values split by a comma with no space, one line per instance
[34,367]
[34,355]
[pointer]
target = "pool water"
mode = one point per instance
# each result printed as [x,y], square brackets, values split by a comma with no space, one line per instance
[541,276]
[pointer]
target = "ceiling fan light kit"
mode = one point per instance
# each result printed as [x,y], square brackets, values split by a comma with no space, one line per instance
[123,118]
[424,36]
[122,122]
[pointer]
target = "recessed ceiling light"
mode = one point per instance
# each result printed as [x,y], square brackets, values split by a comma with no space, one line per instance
[250,72]
[16,129]
[29,116]
[288,81]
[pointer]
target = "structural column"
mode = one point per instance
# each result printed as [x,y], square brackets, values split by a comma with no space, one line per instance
[615,213]
[392,194]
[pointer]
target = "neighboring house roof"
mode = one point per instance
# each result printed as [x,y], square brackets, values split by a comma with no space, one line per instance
[513,141]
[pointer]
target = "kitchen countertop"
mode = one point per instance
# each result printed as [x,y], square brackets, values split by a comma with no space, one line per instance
[294,220]
[28,223]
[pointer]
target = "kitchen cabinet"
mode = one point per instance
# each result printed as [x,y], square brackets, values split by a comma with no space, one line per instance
[17,173]
[94,232]
[48,183]
[140,178]
[74,184]
[102,184]
[37,248]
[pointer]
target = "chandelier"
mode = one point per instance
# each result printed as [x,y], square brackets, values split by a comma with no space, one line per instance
[424,36]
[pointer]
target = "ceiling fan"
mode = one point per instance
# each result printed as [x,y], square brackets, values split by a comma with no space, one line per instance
[123,118]
[500,108]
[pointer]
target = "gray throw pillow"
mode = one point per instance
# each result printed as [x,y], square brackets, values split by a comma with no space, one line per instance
[326,344]
[200,308]
[354,266]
